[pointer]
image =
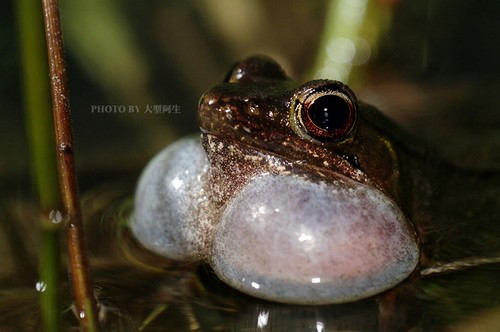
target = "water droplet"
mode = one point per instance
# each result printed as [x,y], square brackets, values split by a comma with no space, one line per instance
[41,286]
[56,216]
[65,148]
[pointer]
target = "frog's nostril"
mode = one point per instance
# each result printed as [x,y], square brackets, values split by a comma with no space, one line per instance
[311,243]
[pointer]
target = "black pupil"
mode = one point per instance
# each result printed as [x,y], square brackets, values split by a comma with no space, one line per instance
[329,112]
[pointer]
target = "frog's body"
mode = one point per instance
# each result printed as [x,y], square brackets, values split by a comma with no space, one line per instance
[299,194]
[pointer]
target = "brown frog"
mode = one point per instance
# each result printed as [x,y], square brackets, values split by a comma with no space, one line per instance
[301,194]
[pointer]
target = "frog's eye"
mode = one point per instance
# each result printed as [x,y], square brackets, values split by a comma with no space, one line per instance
[327,111]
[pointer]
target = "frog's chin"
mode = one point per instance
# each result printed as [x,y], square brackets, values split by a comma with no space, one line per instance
[282,236]
[293,240]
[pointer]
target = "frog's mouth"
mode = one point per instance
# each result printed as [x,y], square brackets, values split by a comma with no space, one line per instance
[291,153]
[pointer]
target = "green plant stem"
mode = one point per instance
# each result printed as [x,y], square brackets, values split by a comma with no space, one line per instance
[41,141]
[49,275]
[77,250]
[351,33]
[37,102]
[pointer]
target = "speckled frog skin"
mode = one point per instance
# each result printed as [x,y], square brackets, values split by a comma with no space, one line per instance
[296,193]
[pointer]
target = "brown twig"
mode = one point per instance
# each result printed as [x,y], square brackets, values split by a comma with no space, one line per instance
[77,251]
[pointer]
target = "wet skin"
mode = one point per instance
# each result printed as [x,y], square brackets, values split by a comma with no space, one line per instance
[261,131]
[256,107]
[430,191]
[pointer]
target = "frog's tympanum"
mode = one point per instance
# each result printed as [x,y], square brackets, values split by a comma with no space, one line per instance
[295,193]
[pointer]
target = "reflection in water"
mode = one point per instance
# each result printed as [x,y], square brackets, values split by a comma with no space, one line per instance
[262,319]
[266,316]
[139,291]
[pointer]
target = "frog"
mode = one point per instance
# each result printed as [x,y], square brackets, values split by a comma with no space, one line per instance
[302,194]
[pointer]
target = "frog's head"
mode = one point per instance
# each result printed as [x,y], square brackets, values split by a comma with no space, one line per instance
[292,196]
[319,124]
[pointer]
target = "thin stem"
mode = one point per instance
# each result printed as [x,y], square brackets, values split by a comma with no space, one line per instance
[77,251]
[40,132]
[37,102]
[49,277]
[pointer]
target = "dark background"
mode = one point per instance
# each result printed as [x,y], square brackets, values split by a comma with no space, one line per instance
[434,69]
